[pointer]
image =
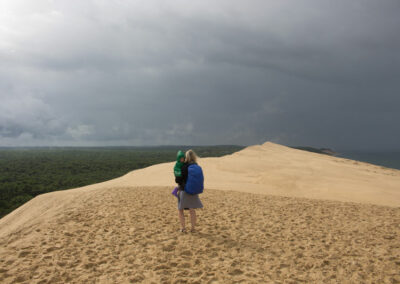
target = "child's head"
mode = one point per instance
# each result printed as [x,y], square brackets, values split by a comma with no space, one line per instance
[180,157]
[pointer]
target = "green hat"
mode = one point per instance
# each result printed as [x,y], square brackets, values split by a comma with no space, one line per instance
[180,155]
[178,164]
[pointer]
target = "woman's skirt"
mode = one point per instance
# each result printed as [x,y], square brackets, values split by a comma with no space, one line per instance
[188,201]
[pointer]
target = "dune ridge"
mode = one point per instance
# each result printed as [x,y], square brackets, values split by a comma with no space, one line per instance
[272,214]
[279,170]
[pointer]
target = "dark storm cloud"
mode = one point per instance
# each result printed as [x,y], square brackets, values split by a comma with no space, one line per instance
[319,73]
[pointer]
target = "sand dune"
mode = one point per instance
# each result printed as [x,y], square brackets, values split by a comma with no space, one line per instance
[275,169]
[125,230]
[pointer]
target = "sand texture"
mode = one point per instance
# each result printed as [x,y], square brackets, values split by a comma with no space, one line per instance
[116,237]
[270,223]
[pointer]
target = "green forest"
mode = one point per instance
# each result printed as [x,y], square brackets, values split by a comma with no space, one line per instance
[27,172]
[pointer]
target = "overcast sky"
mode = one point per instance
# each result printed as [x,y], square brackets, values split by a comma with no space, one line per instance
[317,73]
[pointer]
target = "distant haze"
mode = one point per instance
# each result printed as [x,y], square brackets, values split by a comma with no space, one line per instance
[98,73]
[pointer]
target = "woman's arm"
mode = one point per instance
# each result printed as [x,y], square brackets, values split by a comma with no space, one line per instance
[179,180]
[184,173]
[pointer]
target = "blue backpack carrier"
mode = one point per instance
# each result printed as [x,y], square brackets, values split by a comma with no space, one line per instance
[195,180]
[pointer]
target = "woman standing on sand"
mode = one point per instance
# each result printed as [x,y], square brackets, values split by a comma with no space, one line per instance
[185,200]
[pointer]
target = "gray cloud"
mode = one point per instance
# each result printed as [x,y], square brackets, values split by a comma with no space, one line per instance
[317,73]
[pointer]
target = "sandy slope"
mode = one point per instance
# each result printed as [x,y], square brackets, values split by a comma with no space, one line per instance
[275,169]
[114,236]
[120,231]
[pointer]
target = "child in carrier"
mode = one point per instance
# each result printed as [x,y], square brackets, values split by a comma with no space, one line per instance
[180,160]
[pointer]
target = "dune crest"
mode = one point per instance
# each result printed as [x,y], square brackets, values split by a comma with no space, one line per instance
[279,170]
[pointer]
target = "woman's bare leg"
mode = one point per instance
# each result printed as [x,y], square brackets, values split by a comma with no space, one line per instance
[182,219]
[193,218]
